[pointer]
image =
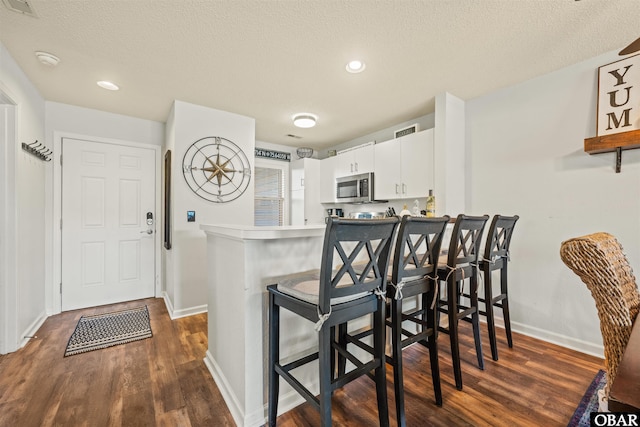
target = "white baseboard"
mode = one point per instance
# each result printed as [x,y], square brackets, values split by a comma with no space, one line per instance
[31,330]
[237,412]
[257,417]
[551,337]
[555,338]
[176,314]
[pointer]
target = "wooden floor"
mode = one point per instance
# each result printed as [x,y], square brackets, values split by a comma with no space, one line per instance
[162,381]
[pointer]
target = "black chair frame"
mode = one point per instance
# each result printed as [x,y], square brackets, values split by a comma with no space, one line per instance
[372,238]
[413,274]
[496,257]
[462,266]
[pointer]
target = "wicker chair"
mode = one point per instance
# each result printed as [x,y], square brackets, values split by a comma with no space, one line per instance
[599,261]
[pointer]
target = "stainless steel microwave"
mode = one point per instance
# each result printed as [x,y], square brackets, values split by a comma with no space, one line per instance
[355,188]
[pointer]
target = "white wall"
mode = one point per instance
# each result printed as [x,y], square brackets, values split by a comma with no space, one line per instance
[23,302]
[186,280]
[89,122]
[526,146]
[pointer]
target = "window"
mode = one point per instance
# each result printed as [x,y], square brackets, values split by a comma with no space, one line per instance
[270,200]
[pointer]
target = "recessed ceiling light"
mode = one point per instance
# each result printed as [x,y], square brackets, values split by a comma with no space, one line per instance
[108,85]
[305,120]
[356,66]
[47,59]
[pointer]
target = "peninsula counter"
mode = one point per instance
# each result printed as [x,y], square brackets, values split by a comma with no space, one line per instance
[241,262]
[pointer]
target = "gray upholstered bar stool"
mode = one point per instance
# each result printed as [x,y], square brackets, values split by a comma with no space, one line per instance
[335,295]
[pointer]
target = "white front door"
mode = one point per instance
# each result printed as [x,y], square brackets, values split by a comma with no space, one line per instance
[108,201]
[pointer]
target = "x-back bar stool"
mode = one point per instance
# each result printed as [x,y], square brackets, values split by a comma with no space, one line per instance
[333,296]
[413,279]
[496,257]
[461,265]
[415,275]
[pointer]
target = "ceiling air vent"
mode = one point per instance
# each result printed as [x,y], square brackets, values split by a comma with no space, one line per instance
[407,131]
[20,6]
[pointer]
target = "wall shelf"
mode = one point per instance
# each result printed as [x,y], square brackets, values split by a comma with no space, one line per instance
[613,143]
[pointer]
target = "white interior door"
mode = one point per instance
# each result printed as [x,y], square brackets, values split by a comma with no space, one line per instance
[108,194]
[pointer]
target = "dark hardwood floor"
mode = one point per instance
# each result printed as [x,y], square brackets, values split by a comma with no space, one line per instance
[162,381]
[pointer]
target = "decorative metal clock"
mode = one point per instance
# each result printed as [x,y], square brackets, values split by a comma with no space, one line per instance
[216,169]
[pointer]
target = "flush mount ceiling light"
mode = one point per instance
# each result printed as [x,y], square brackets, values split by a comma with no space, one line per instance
[108,85]
[356,66]
[47,59]
[305,120]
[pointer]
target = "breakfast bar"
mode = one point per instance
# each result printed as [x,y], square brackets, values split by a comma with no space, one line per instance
[241,262]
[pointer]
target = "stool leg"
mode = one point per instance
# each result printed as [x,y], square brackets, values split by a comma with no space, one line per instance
[491,323]
[274,357]
[342,340]
[505,304]
[379,334]
[324,368]
[432,344]
[475,320]
[452,315]
[396,343]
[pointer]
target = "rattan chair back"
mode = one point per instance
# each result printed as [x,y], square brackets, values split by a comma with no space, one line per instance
[599,261]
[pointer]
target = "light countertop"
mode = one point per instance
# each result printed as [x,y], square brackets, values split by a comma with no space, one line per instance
[250,232]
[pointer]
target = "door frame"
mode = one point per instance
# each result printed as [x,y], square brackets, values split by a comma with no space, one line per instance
[55,289]
[8,223]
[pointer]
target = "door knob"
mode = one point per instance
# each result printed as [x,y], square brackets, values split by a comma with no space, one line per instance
[149,231]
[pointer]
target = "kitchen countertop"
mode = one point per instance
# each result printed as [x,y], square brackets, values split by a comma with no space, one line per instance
[250,232]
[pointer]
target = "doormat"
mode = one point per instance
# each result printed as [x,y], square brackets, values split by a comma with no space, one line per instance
[109,329]
[589,403]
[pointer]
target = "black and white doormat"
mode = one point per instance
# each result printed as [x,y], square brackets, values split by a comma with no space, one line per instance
[109,329]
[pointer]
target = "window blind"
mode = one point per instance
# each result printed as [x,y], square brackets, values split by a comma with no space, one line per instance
[269,196]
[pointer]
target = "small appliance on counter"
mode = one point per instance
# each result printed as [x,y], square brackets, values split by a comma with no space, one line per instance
[367,215]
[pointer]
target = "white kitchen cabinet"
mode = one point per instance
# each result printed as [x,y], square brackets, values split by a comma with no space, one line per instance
[328,179]
[404,167]
[305,192]
[356,160]
[297,175]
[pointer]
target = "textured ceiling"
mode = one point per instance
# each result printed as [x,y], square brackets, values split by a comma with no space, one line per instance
[270,59]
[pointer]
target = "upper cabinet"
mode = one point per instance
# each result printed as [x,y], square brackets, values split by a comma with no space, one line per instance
[355,160]
[328,168]
[305,192]
[404,167]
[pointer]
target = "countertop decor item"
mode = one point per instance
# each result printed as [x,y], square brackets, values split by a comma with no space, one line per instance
[216,169]
[304,152]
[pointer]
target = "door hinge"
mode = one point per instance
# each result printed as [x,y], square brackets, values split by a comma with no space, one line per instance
[60,159]
[61,287]
[60,223]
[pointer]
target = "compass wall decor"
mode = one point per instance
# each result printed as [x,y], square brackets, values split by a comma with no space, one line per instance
[216,169]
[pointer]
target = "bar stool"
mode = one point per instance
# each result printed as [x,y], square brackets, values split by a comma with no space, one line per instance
[331,297]
[496,257]
[461,265]
[413,274]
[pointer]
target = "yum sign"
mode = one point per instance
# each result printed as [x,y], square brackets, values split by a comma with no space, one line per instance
[619,96]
